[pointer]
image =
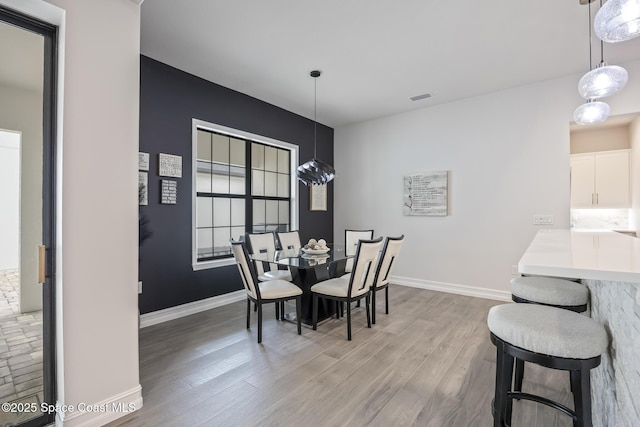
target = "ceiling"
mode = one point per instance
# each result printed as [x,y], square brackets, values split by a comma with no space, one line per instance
[374,54]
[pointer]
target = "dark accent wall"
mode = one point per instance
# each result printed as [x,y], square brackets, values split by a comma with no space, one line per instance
[169,100]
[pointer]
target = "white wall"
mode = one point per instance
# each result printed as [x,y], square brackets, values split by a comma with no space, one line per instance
[10,196]
[508,157]
[97,241]
[21,110]
[634,217]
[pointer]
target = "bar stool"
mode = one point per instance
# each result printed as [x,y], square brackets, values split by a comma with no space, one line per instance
[549,337]
[551,291]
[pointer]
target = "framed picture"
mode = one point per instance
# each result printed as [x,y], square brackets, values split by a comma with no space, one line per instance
[318,197]
[143,161]
[143,188]
[168,192]
[169,165]
[426,194]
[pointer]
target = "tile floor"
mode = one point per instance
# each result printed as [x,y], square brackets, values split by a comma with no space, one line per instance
[20,343]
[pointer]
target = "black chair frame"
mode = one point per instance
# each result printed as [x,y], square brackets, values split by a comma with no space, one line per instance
[259,301]
[385,276]
[348,299]
[346,231]
[502,404]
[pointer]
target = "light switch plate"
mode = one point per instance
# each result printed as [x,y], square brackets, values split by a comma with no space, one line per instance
[543,220]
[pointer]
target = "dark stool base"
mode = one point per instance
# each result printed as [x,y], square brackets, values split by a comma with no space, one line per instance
[502,404]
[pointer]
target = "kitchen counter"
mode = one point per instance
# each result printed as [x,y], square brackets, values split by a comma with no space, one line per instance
[608,263]
[601,255]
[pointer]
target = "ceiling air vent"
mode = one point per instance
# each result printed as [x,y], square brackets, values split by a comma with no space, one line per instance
[419,97]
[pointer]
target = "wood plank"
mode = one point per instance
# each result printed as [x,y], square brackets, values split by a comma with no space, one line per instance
[429,362]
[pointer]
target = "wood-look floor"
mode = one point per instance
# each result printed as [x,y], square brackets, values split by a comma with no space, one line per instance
[428,363]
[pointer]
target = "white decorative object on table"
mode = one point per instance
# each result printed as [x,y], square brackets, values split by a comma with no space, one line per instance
[315,247]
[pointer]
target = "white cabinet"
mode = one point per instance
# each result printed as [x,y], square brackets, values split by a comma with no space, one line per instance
[600,180]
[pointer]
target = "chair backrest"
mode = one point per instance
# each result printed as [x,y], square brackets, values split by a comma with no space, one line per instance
[390,250]
[289,240]
[260,243]
[364,266]
[247,273]
[351,238]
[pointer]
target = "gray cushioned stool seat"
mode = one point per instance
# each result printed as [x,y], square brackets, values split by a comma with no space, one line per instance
[549,290]
[548,330]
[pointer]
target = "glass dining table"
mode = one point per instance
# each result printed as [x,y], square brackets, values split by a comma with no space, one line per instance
[307,270]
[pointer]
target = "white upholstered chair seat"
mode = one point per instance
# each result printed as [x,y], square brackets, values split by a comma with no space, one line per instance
[274,289]
[549,290]
[548,330]
[338,287]
[275,275]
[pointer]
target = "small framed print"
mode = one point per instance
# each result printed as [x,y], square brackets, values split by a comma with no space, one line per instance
[169,165]
[318,197]
[143,161]
[143,188]
[168,192]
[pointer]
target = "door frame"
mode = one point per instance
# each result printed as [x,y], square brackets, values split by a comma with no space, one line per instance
[49,134]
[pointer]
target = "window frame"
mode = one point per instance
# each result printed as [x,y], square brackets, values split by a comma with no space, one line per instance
[197,124]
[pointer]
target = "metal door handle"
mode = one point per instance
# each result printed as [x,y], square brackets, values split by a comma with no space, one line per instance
[42,265]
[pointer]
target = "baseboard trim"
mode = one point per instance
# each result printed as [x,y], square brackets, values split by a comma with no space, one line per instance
[452,288]
[101,413]
[172,313]
[190,308]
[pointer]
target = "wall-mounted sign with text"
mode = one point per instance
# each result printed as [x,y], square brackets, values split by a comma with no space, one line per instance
[169,165]
[168,192]
[426,194]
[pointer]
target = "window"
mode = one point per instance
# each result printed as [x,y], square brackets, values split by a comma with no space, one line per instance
[242,182]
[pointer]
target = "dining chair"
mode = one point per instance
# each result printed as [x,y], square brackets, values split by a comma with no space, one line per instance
[390,250]
[265,242]
[272,291]
[289,239]
[351,238]
[354,288]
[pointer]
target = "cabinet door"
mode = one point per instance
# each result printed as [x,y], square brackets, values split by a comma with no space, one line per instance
[612,180]
[582,181]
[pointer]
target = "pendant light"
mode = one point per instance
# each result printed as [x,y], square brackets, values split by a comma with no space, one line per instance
[605,80]
[618,21]
[315,171]
[591,112]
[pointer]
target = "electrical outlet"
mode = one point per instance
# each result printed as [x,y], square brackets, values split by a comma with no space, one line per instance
[514,270]
[543,220]
[140,287]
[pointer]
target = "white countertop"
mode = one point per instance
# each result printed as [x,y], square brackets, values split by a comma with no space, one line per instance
[602,255]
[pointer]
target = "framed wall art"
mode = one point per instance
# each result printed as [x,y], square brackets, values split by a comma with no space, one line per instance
[318,197]
[426,194]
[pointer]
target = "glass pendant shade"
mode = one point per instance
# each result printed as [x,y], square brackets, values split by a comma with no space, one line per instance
[618,21]
[602,81]
[315,172]
[591,112]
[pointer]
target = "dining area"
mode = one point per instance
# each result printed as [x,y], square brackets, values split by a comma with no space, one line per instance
[321,279]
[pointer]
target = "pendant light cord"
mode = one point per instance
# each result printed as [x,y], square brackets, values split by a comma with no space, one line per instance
[601,43]
[315,117]
[590,59]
